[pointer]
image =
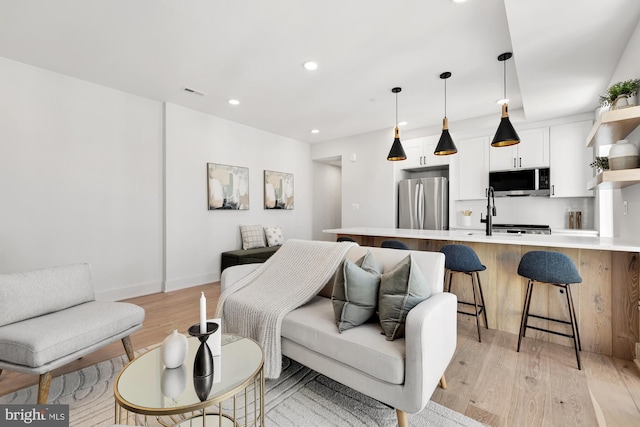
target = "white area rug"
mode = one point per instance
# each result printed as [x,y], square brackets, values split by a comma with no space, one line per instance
[299,398]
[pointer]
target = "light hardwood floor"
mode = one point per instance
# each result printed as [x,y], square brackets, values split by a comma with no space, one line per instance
[488,381]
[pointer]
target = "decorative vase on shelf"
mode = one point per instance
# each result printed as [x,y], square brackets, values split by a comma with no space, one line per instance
[623,155]
[174,350]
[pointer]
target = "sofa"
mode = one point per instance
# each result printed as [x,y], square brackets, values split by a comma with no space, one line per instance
[50,317]
[402,373]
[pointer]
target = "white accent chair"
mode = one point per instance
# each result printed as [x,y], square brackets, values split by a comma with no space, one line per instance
[50,317]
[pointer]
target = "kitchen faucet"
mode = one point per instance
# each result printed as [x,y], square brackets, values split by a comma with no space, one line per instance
[491,211]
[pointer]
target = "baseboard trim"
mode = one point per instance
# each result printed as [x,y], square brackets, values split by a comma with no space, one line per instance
[131,291]
[189,282]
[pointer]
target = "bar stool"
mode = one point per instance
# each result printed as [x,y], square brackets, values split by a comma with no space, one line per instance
[551,268]
[463,259]
[394,244]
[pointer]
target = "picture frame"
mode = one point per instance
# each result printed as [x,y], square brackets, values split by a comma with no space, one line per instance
[278,190]
[227,187]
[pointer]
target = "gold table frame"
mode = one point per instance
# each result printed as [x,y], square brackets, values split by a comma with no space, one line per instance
[230,403]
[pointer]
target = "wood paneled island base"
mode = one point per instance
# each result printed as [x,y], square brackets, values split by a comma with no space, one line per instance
[606,301]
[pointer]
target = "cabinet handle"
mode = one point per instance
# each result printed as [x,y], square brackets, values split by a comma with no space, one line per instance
[421,157]
[514,162]
[553,190]
[486,192]
[520,159]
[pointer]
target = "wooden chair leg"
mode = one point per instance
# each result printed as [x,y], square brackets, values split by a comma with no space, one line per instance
[43,387]
[128,348]
[402,418]
[443,382]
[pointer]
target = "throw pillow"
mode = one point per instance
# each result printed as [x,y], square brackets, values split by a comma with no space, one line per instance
[252,236]
[274,236]
[355,292]
[401,289]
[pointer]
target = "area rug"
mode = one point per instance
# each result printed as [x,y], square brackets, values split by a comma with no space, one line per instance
[300,397]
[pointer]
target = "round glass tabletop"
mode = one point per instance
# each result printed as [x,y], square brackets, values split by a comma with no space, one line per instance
[145,386]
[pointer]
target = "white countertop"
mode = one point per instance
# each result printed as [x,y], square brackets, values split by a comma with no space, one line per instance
[554,241]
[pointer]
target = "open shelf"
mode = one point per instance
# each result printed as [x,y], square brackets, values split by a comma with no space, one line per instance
[615,179]
[614,125]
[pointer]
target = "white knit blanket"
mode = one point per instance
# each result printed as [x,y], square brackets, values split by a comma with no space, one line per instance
[255,305]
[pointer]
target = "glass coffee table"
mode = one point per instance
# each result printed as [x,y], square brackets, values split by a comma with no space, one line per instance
[147,393]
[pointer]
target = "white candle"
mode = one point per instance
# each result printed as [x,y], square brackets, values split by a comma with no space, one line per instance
[203,314]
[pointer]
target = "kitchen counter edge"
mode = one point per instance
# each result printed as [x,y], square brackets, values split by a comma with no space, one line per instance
[557,241]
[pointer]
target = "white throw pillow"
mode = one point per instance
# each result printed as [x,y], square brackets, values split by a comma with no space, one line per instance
[274,236]
[252,236]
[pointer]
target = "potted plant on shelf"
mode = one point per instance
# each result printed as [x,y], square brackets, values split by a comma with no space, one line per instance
[600,163]
[621,94]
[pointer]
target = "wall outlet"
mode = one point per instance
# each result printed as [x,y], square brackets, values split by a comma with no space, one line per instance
[352,157]
[355,206]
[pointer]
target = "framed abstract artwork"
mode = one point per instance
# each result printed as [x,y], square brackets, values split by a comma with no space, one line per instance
[227,187]
[278,190]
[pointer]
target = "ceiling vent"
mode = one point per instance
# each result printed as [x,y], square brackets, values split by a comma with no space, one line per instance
[193,91]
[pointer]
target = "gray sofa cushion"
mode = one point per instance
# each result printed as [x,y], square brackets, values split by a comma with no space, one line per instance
[31,294]
[355,293]
[363,348]
[401,289]
[72,329]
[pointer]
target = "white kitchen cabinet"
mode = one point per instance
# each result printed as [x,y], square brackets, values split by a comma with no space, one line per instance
[420,153]
[531,152]
[570,170]
[473,167]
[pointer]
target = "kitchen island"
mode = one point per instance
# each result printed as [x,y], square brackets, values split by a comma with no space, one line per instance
[606,301]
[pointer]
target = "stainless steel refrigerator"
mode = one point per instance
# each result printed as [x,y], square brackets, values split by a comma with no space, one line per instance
[423,203]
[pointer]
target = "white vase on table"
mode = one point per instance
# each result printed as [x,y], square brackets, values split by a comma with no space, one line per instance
[174,350]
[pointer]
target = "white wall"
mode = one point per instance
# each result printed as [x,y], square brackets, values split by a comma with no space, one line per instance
[80,179]
[195,237]
[367,181]
[327,207]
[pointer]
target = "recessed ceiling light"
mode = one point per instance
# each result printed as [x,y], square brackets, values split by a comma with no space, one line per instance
[310,65]
[315,131]
[234,102]
[502,101]
[402,123]
[458,1]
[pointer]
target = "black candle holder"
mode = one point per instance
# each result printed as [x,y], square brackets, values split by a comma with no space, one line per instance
[203,363]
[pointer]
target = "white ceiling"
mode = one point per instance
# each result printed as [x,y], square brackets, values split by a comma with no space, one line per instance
[565,52]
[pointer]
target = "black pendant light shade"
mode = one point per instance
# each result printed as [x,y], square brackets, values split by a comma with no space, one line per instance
[505,135]
[396,152]
[445,144]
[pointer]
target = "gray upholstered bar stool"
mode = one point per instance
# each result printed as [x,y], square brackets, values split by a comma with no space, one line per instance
[394,244]
[556,269]
[463,259]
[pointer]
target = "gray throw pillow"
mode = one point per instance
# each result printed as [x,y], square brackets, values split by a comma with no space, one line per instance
[355,293]
[401,289]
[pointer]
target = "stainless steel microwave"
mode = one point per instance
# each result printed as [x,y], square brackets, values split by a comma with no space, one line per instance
[521,182]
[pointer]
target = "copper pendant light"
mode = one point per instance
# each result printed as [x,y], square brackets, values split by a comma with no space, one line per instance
[396,152]
[505,135]
[445,144]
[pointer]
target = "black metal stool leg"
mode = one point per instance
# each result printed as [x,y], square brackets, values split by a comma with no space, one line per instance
[574,325]
[475,303]
[447,275]
[575,318]
[525,313]
[484,307]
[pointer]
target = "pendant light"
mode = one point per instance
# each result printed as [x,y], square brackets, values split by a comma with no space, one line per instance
[505,135]
[397,152]
[445,145]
